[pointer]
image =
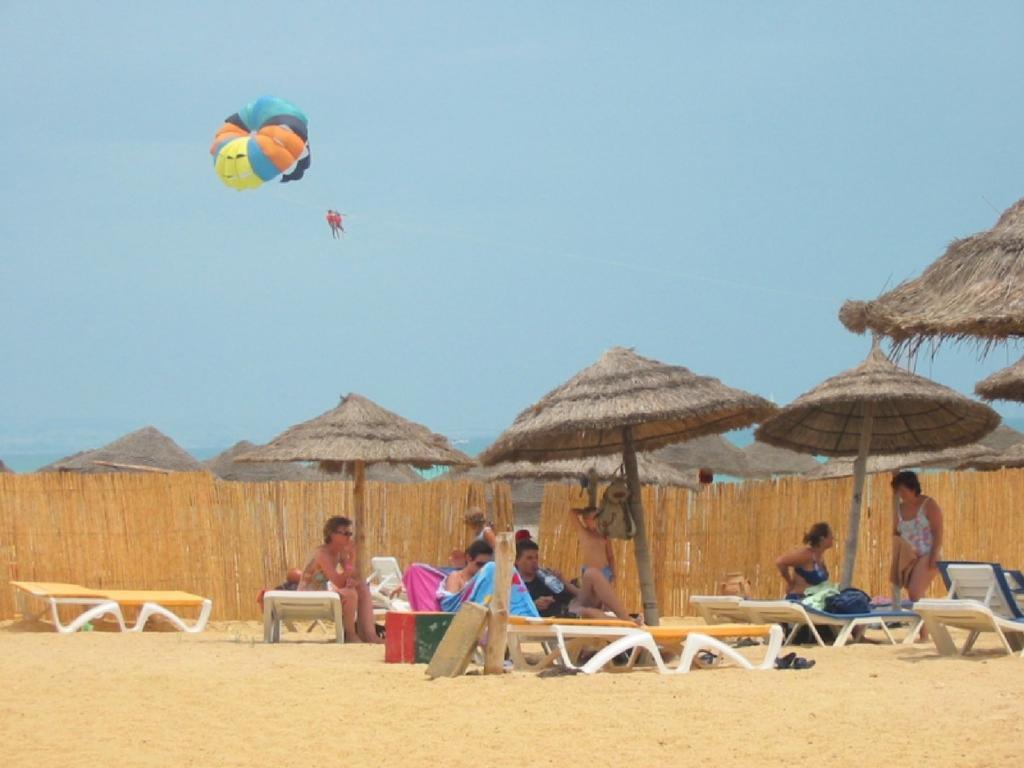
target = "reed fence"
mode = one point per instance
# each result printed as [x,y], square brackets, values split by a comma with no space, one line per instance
[225,541]
[697,538]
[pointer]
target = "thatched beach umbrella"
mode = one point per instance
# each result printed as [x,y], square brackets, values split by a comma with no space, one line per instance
[975,289]
[144,450]
[621,404]
[947,458]
[1009,458]
[651,470]
[1005,384]
[1002,437]
[226,467]
[4,469]
[711,453]
[764,460]
[353,435]
[875,408]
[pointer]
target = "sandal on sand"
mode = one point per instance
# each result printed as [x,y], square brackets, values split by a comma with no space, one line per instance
[792,661]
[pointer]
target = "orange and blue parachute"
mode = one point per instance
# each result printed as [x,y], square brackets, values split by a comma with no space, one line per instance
[266,138]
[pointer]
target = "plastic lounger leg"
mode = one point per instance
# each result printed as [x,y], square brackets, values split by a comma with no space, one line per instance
[697,642]
[269,620]
[940,636]
[914,632]
[149,610]
[844,633]
[101,609]
[339,625]
[631,642]
[972,639]
[888,632]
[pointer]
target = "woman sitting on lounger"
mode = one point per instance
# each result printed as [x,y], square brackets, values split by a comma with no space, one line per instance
[805,566]
[322,573]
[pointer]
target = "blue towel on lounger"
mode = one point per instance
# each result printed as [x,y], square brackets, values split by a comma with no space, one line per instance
[480,589]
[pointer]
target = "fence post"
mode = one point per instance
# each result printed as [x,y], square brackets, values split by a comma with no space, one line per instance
[497,622]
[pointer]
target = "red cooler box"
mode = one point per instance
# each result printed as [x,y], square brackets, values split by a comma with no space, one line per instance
[412,638]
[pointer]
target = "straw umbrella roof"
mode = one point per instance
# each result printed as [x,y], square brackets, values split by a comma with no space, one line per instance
[764,460]
[359,430]
[5,469]
[146,447]
[712,453]
[652,471]
[975,289]
[1006,384]
[911,413]
[663,404]
[225,466]
[1002,437]
[1008,458]
[948,458]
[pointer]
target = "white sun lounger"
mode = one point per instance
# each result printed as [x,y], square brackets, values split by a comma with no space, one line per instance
[720,609]
[152,603]
[980,600]
[385,582]
[797,615]
[562,639]
[636,641]
[53,595]
[280,605]
[98,602]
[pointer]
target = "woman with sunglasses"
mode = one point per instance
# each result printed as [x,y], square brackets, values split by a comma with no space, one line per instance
[332,566]
[449,591]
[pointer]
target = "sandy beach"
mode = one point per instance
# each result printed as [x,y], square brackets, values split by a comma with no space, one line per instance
[223,698]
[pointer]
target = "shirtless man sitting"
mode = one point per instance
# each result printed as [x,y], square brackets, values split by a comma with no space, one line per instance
[598,566]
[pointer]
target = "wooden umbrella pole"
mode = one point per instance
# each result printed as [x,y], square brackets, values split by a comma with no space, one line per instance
[859,468]
[359,513]
[643,554]
[497,622]
[592,488]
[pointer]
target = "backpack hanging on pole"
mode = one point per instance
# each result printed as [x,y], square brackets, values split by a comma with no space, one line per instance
[615,520]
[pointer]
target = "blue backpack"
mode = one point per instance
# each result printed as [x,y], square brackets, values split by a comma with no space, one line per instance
[850,600]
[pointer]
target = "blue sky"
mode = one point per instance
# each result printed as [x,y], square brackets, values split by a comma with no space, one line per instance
[526,185]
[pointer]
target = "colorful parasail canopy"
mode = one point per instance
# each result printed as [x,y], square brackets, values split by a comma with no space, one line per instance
[266,138]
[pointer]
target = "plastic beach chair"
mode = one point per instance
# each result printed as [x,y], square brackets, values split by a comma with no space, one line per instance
[280,605]
[563,639]
[695,642]
[385,582]
[798,615]
[53,595]
[979,600]
[720,609]
[153,602]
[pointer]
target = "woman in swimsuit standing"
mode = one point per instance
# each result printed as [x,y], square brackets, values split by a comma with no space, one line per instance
[807,562]
[919,522]
[332,566]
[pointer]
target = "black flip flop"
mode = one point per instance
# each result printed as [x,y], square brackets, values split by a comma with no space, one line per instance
[785,662]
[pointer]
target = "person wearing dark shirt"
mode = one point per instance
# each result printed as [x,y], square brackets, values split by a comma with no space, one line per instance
[543,585]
